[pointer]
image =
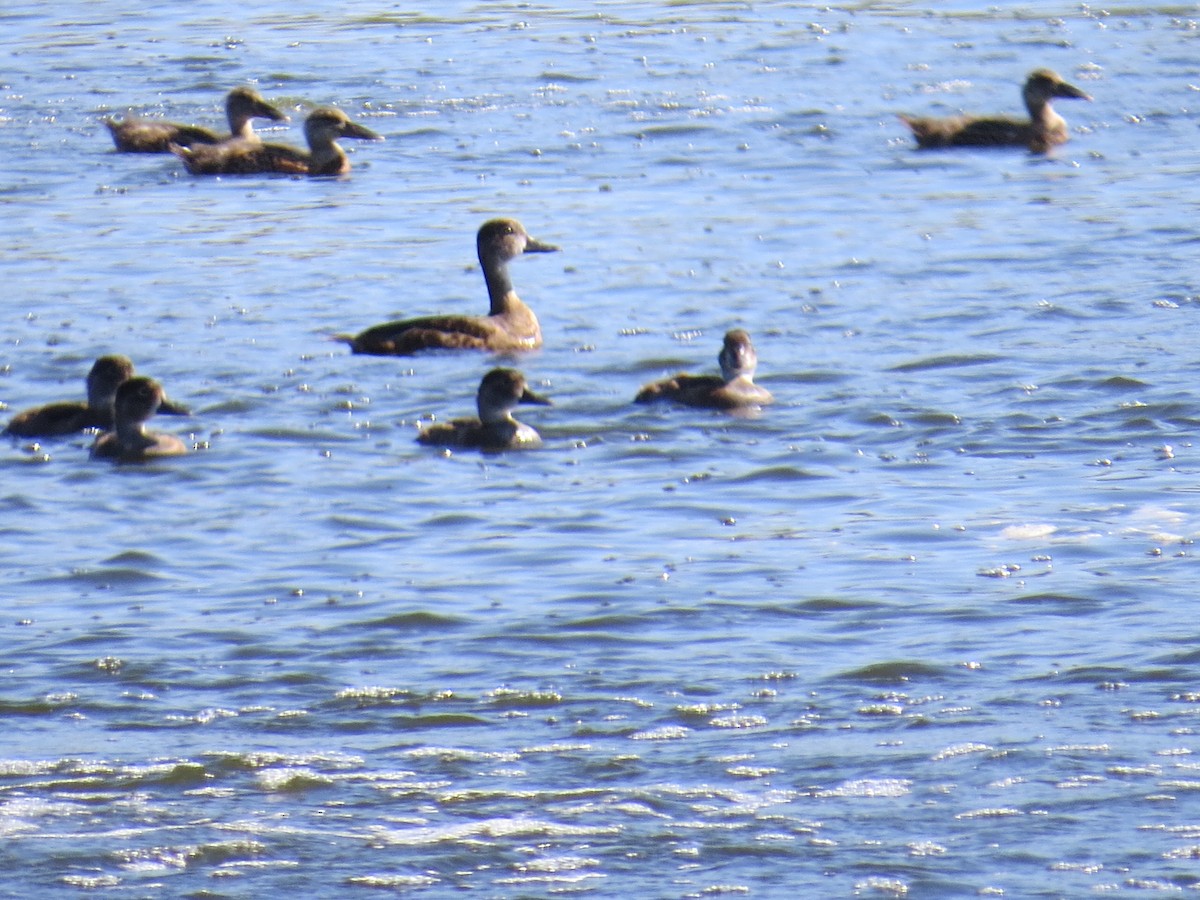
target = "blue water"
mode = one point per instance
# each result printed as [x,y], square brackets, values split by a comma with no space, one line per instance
[923,627]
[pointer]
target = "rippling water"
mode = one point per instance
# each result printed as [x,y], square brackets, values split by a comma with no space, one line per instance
[920,628]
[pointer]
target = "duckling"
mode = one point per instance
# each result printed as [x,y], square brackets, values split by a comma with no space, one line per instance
[134,135]
[322,129]
[1042,130]
[129,441]
[734,389]
[71,416]
[509,325]
[495,429]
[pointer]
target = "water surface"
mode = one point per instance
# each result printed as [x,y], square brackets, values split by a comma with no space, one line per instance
[922,627]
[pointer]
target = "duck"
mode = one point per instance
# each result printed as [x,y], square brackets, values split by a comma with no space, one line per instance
[71,416]
[242,104]
[509,326]
[733,389]
[1042,130]
[494,429]
[137,400]
[322,129]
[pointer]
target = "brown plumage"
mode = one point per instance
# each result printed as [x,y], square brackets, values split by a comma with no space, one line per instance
[134,135]
[129,441]
[733,389]
[509,325]
[322,129]
[495,429]
[1042,130]
[72,416]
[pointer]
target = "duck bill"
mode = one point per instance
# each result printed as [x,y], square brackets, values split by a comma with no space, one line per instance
[267,111]
[536,399]
[354,130]
[169,408]
[1070,92]
[535,246]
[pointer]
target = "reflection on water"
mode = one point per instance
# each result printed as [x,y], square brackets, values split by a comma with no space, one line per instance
[916,628]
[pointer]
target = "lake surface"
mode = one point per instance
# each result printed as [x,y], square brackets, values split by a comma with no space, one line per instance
[923,627]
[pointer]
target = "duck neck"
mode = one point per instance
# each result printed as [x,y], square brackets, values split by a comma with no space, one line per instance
[503,298]
[101,401]
[1040,112]
[1048,127]
[326,158]
[501,432]
[241,128]
[132,436]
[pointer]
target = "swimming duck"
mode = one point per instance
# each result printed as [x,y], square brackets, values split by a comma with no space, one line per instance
[322,129]
[1042,130]
[495,429]
[734,389]
[68,417]
[134,135]
[129,441]
[509,325]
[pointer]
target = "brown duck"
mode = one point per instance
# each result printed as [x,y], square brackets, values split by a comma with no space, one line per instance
[495,429]
[733,389]
[134,135]
[1042,130]
[322,129]
[137,400]
[509,325]
[71,416]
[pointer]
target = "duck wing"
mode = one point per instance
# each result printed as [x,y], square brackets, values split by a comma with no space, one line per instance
[430,333]
[681,388]
[242,157]
[54,419]
[969,131]
[152,136]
